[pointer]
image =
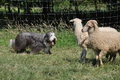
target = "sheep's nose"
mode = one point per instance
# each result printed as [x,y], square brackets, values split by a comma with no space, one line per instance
[71,21]
[82,30]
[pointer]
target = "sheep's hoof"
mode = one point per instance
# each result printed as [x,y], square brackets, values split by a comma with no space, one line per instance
[80,61]
[96,65]
[24,53]
[102,65]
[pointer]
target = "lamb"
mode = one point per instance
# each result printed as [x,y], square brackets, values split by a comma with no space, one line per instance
[82,37]
[100,41]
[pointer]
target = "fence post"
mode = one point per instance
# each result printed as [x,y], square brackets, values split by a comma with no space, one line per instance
[46,8]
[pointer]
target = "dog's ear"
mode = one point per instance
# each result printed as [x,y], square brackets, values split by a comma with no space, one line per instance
[46,36]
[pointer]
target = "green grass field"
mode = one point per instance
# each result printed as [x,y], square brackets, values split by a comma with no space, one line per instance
[62,64]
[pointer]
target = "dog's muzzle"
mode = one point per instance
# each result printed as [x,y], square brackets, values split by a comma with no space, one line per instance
[53,42]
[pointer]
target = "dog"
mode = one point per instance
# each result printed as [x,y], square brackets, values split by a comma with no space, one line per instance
[35,41]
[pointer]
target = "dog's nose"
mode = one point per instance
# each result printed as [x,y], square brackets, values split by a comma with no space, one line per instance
[55,38]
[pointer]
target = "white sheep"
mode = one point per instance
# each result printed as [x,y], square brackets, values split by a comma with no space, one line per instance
[82,37]
[100,41]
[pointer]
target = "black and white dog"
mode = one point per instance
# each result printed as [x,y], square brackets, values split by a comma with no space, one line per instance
[35,41]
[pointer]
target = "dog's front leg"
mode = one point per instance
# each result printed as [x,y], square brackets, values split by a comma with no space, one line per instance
[36,47]
[47,50]
[35,51]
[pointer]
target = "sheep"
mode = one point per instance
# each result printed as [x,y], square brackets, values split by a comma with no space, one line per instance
[82,37]
[100,41]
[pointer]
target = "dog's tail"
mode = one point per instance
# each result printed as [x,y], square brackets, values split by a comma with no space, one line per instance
[12,43]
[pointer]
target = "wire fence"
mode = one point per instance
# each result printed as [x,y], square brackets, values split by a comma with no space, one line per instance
[106,12]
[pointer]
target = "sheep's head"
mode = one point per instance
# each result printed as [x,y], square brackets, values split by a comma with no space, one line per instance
[75,20]
[90,26]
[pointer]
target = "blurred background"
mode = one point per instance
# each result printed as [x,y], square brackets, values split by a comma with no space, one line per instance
[32,12]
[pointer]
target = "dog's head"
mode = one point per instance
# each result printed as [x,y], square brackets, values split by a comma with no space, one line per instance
[50,38]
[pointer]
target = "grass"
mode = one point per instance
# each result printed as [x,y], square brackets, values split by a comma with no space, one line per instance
[62,64]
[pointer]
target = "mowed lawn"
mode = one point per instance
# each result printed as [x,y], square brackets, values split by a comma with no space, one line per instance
[62,64]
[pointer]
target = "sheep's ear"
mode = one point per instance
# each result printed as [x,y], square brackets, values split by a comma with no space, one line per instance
[95,22]
[81,20]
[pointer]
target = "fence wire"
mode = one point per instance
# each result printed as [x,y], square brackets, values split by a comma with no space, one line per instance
[106,12]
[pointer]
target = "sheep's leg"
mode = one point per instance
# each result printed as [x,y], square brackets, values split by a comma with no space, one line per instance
[107,56]
[114,57]
[83,55]
[110,57]
[97,59]
[100,57]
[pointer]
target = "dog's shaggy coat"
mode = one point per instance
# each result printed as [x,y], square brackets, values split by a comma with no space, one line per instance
[35,41]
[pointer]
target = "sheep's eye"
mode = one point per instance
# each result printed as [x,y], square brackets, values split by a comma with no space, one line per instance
[89,26]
